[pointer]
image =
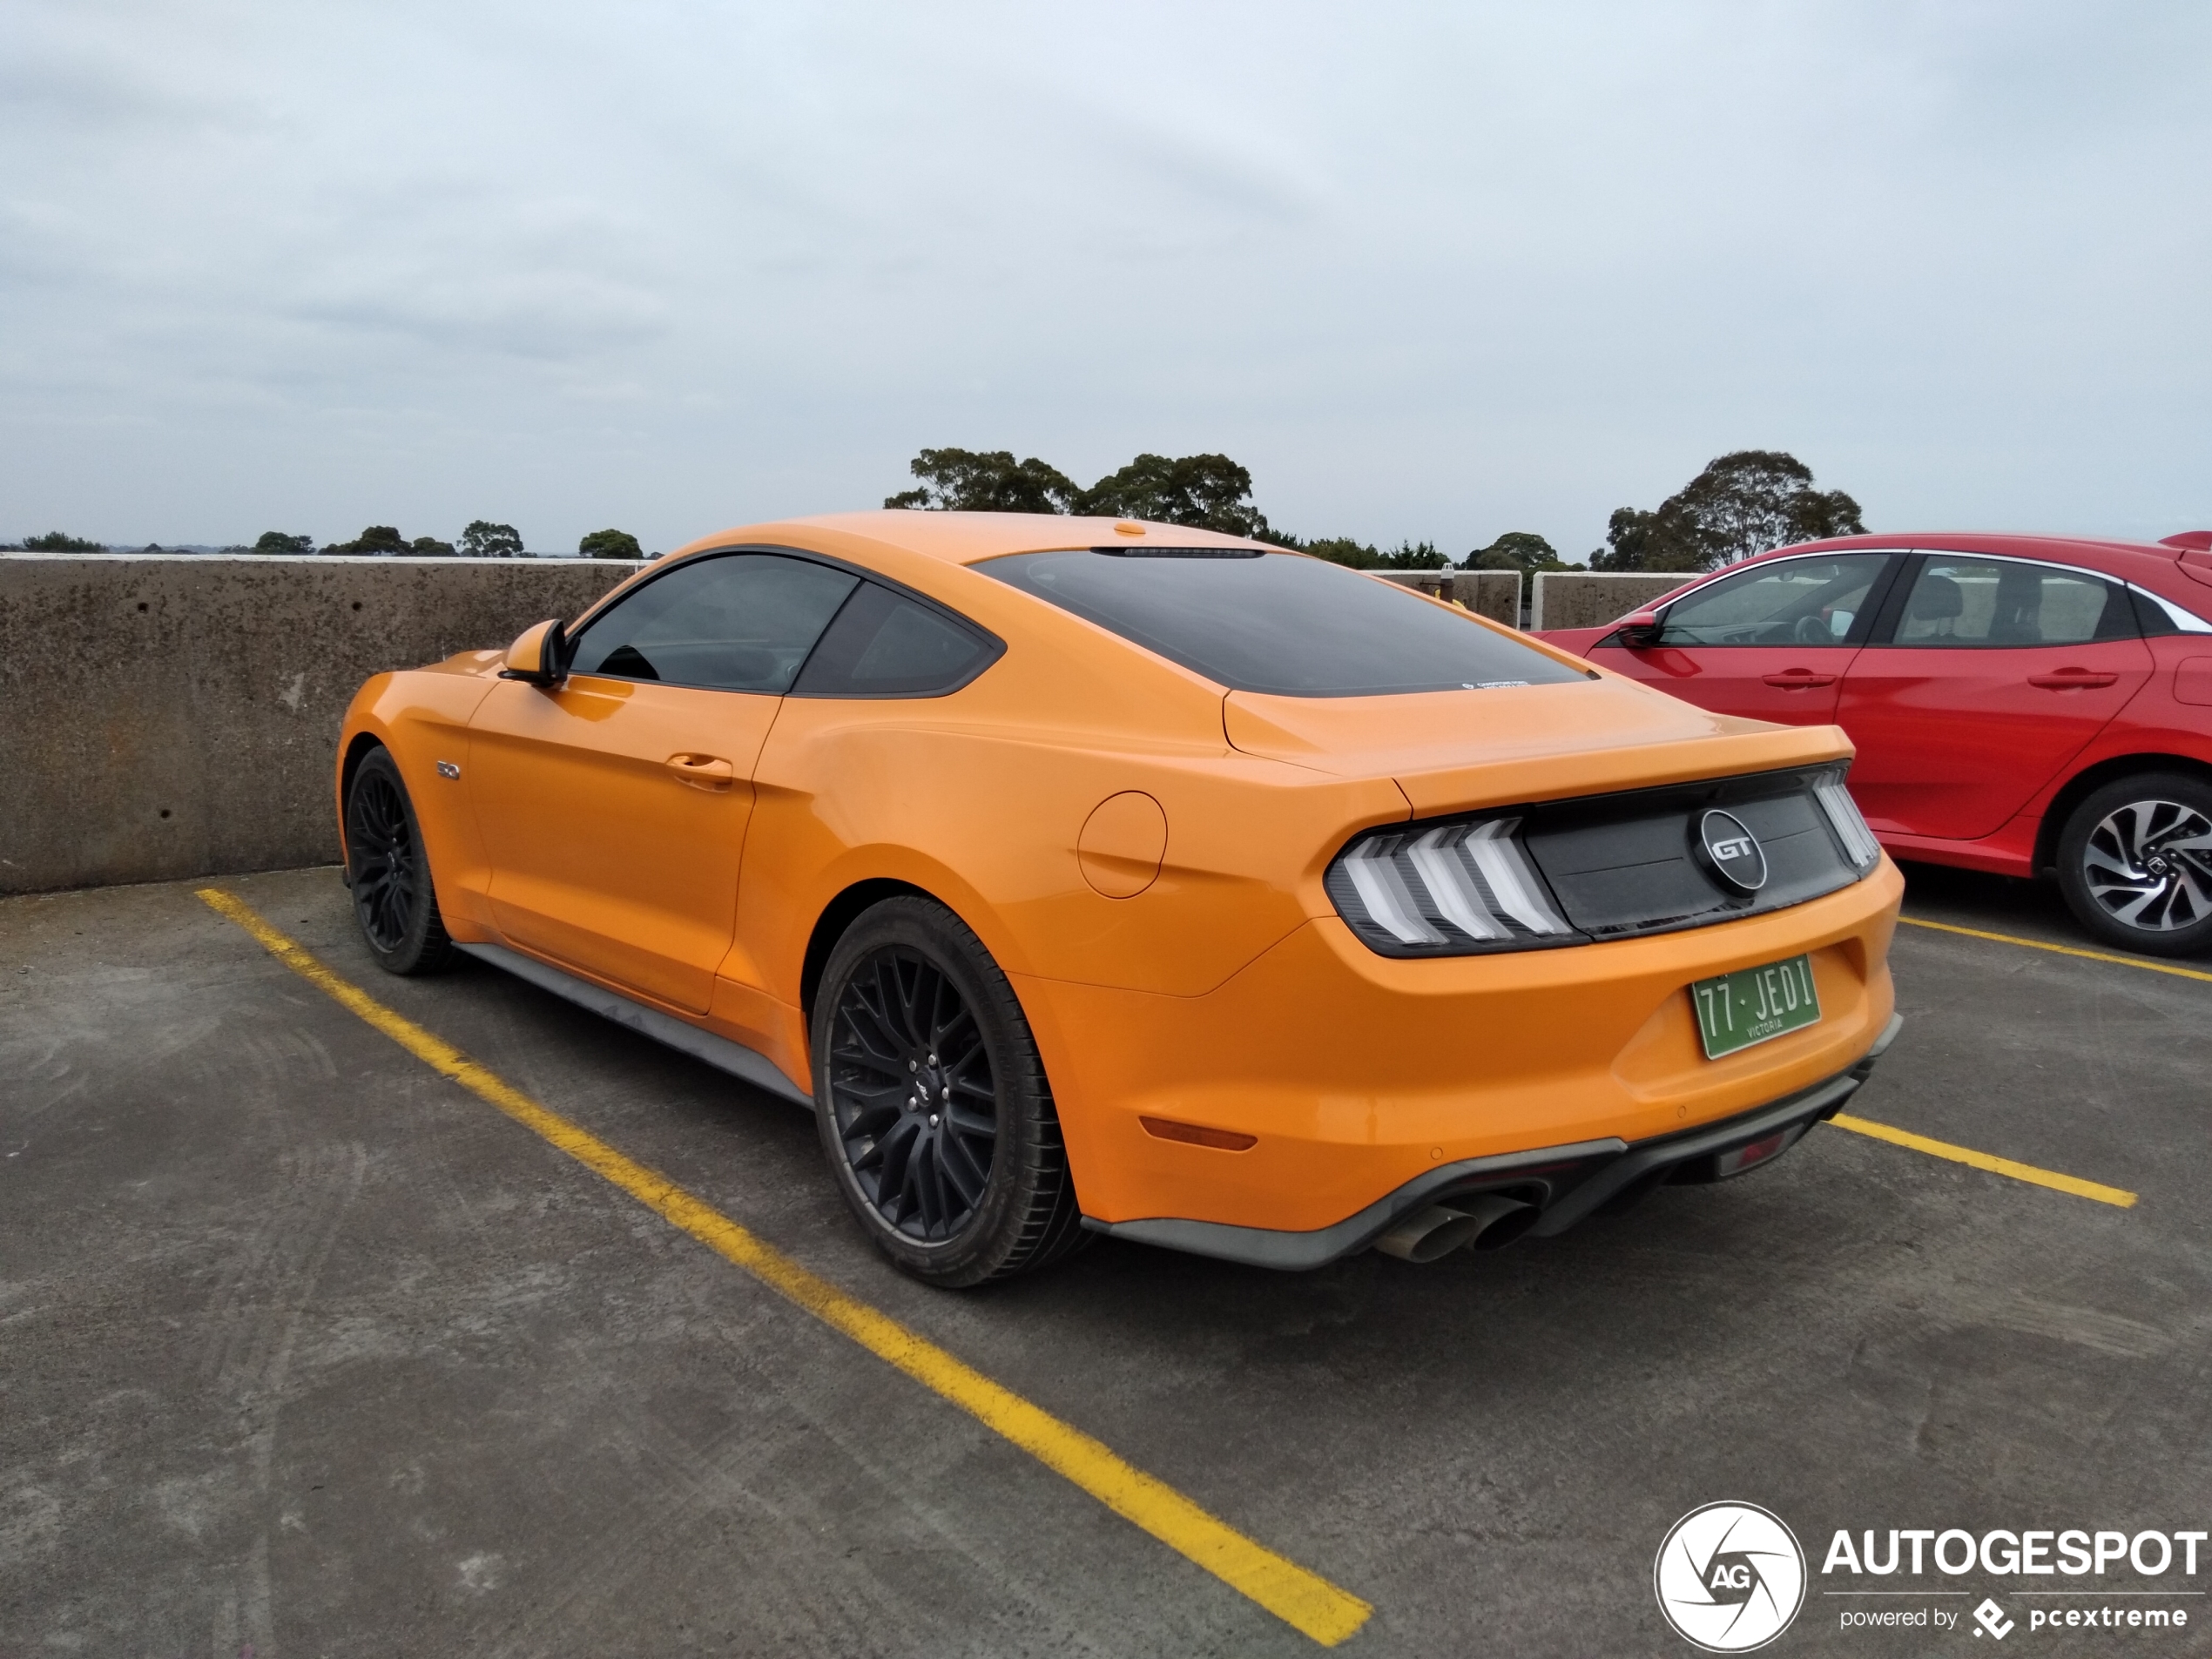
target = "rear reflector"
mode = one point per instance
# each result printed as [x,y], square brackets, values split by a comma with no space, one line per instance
[1227,1140]
[1744,1157]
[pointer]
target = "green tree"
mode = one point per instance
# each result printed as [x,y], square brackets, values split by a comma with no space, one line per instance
[61,542]
[970,480]
[430,546]
[1205,492]
[1522,550]
[485,540]
[278,544]
[611,544]
[378,541]
[1414,555]
[1744,502]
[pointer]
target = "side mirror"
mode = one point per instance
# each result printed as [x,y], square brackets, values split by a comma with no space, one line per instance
[538,655]
[1640,629]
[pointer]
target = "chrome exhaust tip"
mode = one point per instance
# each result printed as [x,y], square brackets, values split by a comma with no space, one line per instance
[1484,1222]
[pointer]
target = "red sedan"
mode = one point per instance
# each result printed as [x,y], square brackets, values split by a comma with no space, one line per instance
[2021,704]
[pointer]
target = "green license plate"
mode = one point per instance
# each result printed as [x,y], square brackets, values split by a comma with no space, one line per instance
[1738,1009]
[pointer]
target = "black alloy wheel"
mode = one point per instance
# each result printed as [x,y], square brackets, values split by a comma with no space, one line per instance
[932,1101]
[2135,863]
[910,1082]
[393,898]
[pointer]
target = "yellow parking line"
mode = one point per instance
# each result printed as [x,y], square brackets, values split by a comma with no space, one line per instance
[1302,1600]
[2062,950]
[2051,1178]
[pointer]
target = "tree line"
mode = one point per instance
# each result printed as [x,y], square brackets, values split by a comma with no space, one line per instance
[1742,503]
[482,540]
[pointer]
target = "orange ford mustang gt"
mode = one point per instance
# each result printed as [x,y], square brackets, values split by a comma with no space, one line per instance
[1086,875]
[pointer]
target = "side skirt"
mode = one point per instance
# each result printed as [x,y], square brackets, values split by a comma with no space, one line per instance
[747,1064]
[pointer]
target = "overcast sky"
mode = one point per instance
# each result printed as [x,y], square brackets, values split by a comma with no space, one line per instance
[1431,271]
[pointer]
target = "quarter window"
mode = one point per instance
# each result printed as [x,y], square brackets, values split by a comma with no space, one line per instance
[1790,602]
[737,622]
[885,644]
[1964,602]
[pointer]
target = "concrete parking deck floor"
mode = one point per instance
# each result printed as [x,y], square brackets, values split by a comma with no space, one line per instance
[304,1350]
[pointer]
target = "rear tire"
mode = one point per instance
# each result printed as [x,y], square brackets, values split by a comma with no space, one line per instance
[395,901]
[2135,863]
[935,1117]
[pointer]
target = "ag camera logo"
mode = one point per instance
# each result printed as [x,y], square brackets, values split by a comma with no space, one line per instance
[1729,1577]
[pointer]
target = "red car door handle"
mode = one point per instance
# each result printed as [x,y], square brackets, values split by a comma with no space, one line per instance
[703,771]
[2071,679]
[1800,679]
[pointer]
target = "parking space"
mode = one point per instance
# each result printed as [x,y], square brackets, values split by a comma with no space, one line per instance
[308,1349]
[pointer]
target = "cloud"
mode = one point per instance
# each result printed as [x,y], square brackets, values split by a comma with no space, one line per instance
[1430,271]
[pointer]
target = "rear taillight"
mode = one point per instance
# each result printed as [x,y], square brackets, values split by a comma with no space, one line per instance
[1595,868]
[1445,890]
[1859,845]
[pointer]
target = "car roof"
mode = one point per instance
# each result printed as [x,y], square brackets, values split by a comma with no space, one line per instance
[964,538]
[2116,557]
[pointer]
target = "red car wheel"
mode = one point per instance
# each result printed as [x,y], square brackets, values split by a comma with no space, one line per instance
[2135,863]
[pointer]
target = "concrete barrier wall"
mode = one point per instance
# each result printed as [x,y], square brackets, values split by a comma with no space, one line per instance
[170,717]
[1589,600]
[164,717]
[1494,594]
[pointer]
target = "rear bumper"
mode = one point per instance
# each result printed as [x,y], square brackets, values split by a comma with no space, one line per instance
[1344,1076]
[1566,1183]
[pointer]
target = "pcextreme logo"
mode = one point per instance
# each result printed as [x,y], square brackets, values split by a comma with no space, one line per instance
[1729,1577]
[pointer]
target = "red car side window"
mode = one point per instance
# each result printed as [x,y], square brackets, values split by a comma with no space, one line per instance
[1967,602]
[1790,602]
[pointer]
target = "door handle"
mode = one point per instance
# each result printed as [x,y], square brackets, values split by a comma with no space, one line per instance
[703,771]
[1799,680]
[2072,679]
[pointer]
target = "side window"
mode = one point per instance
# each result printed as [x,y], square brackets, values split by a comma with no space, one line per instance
[883,645]
[739,621]
[1791,601]
[2003,601]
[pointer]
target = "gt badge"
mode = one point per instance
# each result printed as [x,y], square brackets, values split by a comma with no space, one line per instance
[1732,852]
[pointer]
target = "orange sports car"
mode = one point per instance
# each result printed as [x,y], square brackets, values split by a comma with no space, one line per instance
[1091,876]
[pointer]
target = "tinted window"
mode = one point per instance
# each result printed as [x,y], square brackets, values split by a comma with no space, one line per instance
[1279,622]
[882,644]
[743,622]
[2153,618]
[2002,601]
[1791,601]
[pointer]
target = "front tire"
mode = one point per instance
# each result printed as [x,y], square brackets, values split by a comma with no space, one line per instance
[935,1117]
[389,872]
[2135,863]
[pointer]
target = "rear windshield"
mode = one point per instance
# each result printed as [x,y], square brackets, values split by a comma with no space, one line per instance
[1279,623]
